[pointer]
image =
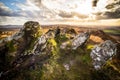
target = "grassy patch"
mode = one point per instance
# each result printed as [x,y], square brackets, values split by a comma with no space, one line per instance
[112,31]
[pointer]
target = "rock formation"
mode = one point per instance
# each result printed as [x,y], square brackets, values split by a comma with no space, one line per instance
[58,54]
[102,53]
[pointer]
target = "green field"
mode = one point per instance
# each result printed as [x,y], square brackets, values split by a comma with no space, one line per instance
[112,31]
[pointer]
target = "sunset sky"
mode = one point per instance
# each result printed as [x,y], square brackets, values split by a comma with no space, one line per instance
[80,12]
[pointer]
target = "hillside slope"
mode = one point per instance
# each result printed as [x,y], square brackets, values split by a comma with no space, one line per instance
[59,54]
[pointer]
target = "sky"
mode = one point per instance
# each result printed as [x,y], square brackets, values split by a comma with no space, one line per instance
[76,12]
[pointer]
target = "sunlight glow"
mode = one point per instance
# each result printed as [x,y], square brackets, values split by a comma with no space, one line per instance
[32,6]
[85,7]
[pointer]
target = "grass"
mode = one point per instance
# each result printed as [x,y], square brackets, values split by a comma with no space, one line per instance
[112,31]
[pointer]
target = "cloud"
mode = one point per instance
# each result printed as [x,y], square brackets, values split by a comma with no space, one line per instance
[68,9]
[61,10]
[36,2]
[34,9]
[82,9]
[113,9]
[27,11]
[108,9]
[94,3]
[7,20]
[71,15]
[114,14]
[6,11]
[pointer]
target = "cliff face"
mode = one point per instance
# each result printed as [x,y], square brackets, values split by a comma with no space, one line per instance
[59,54]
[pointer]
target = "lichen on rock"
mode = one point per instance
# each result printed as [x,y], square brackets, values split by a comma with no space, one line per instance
[102,53]
[58,54]
[80,39]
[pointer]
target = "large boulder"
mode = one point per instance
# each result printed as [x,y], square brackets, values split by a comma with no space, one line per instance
[31,29]
[76,42]
[17,46]
[41,44]
[102,53]
[80,40]
[30,32]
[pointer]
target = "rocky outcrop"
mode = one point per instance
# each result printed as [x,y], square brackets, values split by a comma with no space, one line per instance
[80,40]
[58,54]
[19,45]
[102,53]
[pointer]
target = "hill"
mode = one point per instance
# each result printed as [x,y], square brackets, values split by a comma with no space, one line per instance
[59,54]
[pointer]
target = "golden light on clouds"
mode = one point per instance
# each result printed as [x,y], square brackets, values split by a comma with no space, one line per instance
[82,12]
[85,7]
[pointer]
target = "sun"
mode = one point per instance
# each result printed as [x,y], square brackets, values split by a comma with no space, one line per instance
[85,8]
